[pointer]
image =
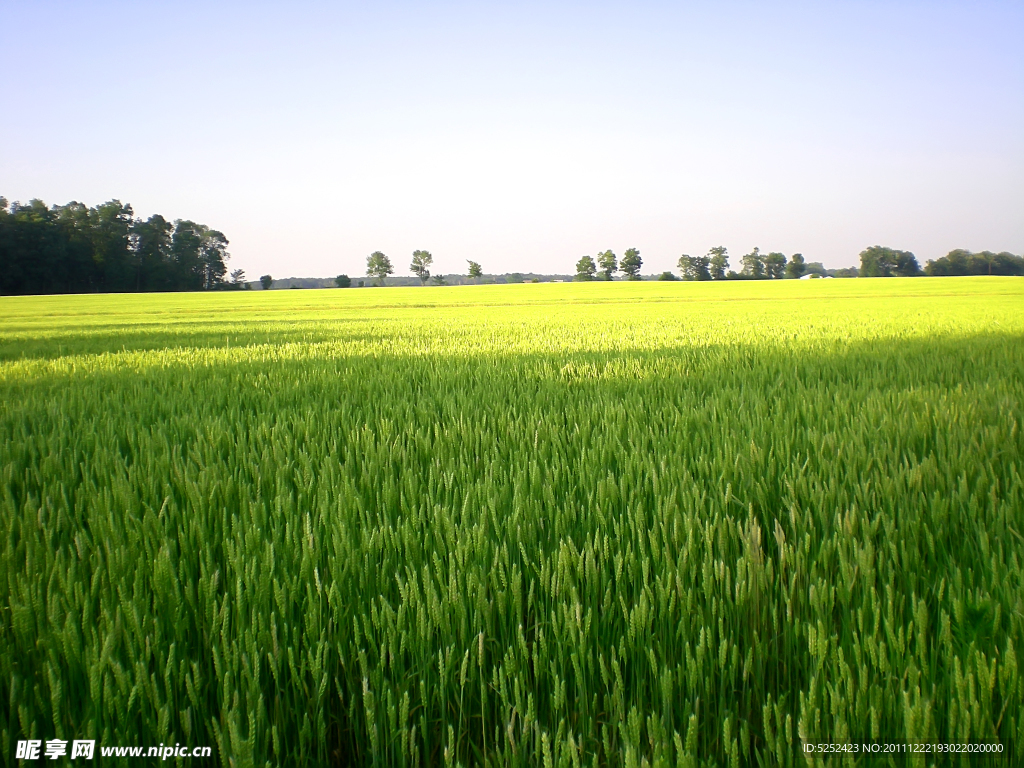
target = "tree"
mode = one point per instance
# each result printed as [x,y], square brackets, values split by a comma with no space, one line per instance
[185,244]
[151,243]
[988,263]
[439,280]
[753,264]
[796,267]
[343,281]
[719,262]
[775,265]
[110,226]
[963,262]
[906,265]
[686,268]
[667,276]
[378,265]
[238,278]
[701,266]
[266,281]
[30,249]
[631,263]
[475,270]
[981,263]
[420,266]
[879,261]
[956,262]
[198,255]
[585,269]
[212,254]
[75,259]
[876,261]
[608,263]
[694,267]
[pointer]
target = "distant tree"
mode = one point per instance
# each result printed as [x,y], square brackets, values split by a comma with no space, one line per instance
[846,272]
[238,278]
[110,227]
[475,270]
[151,244]
[985,257]
[73,267]
[186,243]
[667,276]
[608,263]
[1004,263]
[753,264]
[795,268]
[775,265]
[702,267]
[212,255]
[879,261]
[631,263]
[378,265]
[198,253]
[585,269]
[515,277]
[963,262]
[266,281]
[30,244]
[815,268]
[685,267]
[718,259]
[420,266]
[694,267]
[439,280]
[906,265]
[956,262]
[343,281]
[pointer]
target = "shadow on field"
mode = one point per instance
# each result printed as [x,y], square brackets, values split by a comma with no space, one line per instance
[27,344]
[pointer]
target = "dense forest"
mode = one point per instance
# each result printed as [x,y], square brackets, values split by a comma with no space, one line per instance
[75,249]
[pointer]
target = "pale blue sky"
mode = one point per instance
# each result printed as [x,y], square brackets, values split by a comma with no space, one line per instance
[526,135]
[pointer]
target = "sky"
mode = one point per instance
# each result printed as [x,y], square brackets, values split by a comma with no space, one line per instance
[525,135]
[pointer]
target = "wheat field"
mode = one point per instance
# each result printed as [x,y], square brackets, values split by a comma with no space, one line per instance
[596,524]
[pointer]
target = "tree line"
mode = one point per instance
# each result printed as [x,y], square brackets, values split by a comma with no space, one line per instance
[876,261]
[104,249]
[714,265]
[961,262]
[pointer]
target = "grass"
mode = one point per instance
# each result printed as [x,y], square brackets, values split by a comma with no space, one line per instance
[573,524]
